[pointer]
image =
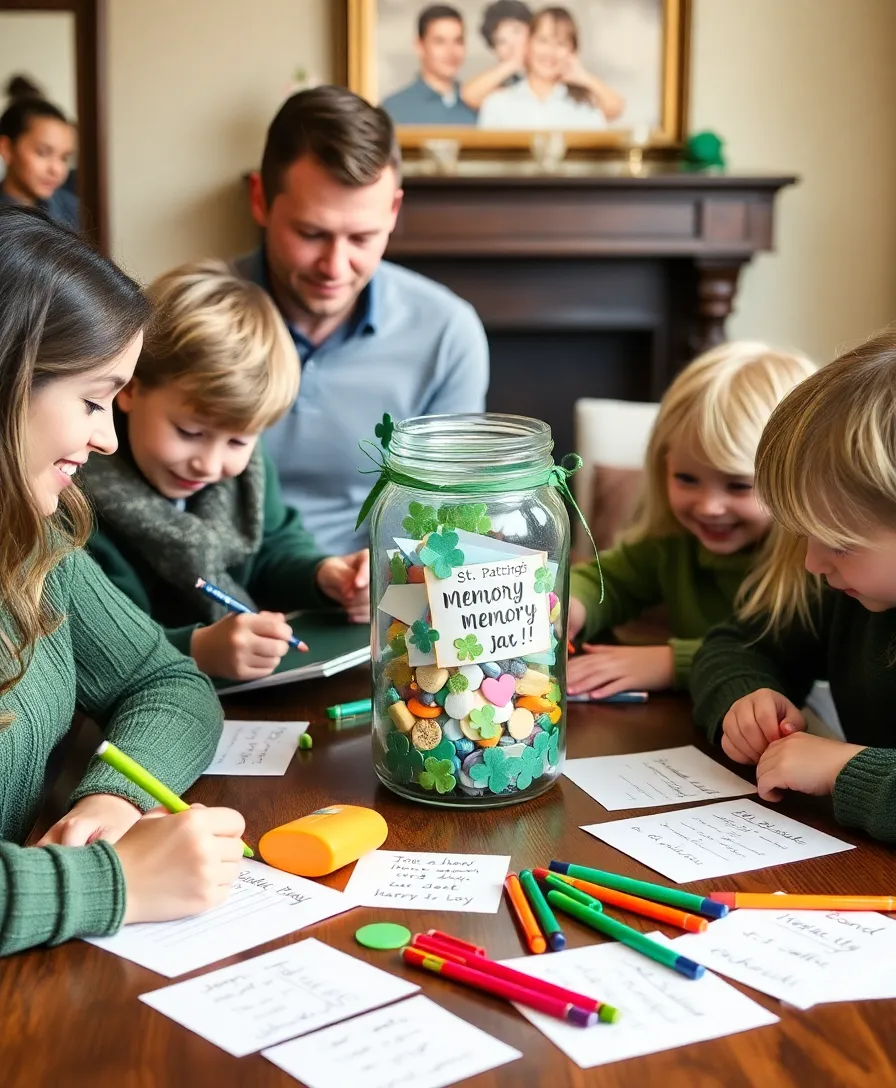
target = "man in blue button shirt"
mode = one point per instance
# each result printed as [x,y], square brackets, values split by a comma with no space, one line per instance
[372,337]
[434,96]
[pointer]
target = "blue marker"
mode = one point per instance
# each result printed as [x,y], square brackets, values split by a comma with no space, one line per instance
[237,606]
[619,697]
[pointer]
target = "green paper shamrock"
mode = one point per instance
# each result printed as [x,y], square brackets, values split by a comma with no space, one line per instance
[468,647]
[398,645]
[553,747]
[423,636]
[404,762]
[531,765]
[384,430]
[494,772]
[399,570]
[442,695]
[443,750]
[441,554]
[471,517]
[458,683]
[420,520]
[438,774]
[544,580]
[554,692]
[482,718]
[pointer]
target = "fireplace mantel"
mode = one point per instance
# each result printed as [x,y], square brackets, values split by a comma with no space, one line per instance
[592,249]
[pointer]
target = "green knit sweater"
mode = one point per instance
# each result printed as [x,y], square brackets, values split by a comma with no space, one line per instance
[112,662]
[697,587]
[852,649]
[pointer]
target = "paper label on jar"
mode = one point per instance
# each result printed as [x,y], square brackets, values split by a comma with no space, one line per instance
[491,611]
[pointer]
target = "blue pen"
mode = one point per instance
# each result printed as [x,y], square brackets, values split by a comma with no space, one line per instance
[237,606]
[619,697]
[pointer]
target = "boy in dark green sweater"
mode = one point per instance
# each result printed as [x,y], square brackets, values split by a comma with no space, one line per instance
[191,494]
[826,469]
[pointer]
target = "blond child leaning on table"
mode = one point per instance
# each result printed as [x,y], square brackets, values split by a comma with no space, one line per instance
[700,530]
[70,331]
[192,494]
[826,469]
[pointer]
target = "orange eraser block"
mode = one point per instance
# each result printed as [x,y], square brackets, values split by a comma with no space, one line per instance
[323,841]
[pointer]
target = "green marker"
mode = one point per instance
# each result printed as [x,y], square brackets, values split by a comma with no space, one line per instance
[141,777]
[554,883]
[349,710]
[668,957]
[657,892]
[541,910]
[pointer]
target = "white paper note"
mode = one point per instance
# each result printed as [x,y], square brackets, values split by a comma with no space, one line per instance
[465,882]
[277,996]
[715,840]
[256,748]
[670,776]
[801,956]
[265,903]
[659,1009]
[415,1043]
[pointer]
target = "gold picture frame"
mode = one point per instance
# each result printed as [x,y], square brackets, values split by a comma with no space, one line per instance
[667,132]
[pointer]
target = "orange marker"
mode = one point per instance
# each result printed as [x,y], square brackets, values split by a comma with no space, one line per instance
[524,916]
[570,648]
[767,901]
[693,923]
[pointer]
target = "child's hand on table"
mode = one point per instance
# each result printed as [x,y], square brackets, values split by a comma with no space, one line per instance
[244,646]
[755,721]
[803,763]
[605,670]
[99,816]
[181,864]
[346,580]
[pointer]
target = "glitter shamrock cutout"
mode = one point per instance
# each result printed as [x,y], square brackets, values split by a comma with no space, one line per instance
[403,761]
[420,520]
[471,517]
[423,636]
[531,767]
[458,683]
[438,774]
[495,770]
[544,580]
[441,554]
[482,718]
[385,430]
[398,570]
[553,746]
[468,648]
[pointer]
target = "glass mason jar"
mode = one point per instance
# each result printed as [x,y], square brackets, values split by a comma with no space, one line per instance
[469,594]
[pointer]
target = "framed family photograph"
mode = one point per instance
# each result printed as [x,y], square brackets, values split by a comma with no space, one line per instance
[491,73]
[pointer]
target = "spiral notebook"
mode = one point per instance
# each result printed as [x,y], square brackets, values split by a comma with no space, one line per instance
[333,646]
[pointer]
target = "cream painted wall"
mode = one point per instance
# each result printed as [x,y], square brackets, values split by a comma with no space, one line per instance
[798,86]
[40,46]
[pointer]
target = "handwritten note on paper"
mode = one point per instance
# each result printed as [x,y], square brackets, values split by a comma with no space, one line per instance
[671,776]
[715,840]
[415,1043]
[278,996]
[659,1008]
[264,903]
[466,882]
[502,605]
[801,956]
[256,748]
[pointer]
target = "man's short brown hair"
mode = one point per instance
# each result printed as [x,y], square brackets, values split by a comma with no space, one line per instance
[351,139]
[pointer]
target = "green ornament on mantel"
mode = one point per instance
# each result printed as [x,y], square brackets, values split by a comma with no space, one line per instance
[704,149]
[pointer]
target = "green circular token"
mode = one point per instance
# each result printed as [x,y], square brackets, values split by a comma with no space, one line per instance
[382,936]
[305,741]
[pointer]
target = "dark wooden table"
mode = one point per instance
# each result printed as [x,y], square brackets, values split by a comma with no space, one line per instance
[69,1016]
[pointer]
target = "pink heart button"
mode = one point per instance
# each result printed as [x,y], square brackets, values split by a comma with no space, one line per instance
[500,691]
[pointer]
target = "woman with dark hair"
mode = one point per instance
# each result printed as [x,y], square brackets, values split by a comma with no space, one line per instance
[36,143]
[71,328]
[557,92]
[505,28]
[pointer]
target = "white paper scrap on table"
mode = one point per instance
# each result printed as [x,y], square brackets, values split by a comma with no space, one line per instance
[801,956]
[264,904]
[423,881]
[670,776]
[256,748]
[277,996]
[715,840]
[415,1042]
[658,1008]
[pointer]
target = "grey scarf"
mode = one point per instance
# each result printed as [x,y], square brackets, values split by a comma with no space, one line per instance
[221,528]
